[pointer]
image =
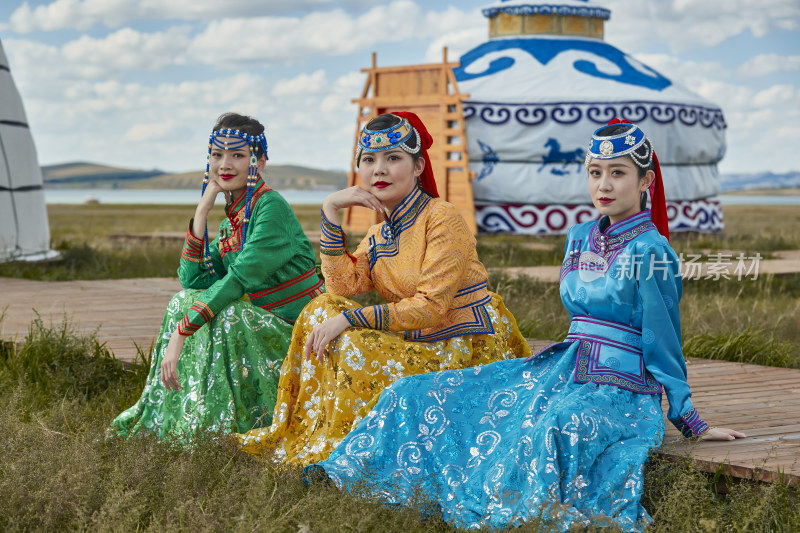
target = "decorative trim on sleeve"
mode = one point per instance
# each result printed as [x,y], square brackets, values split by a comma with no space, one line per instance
[691,425]
[331,241]
[192,247]
[378,317]
[187,327]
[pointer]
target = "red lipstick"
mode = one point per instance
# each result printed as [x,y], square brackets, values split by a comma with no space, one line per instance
[380,184]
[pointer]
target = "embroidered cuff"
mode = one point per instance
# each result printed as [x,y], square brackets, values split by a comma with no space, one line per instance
[194,319]
[331,241]
[374,317]
[691,425]
[192,247]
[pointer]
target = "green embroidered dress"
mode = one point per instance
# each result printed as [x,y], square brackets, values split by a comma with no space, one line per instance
[239,320]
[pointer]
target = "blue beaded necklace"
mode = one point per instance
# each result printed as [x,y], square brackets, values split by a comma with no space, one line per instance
[222,139]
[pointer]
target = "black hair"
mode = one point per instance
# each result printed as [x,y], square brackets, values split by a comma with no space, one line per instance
[244,123]
[616,129]
[388,120]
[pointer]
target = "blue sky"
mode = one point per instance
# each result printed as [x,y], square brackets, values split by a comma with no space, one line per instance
[138,83]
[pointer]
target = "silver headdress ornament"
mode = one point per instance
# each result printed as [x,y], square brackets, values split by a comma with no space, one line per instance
[621,144]
[380,140]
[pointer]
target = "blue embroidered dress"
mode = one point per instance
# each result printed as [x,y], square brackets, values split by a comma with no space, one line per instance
[563,435]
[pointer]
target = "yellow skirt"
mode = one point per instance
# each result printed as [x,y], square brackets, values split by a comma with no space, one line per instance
[319,403]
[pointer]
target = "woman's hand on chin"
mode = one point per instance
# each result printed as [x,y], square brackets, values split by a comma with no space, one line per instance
[322,335]
[213,188]
[349,197]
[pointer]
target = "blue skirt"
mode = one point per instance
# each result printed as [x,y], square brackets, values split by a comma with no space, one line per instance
[506,443]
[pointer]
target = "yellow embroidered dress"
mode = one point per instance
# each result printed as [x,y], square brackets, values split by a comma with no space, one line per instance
[439,315]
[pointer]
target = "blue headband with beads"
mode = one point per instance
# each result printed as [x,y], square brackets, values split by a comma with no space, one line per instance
[618,145]
[231,139]
[394,136]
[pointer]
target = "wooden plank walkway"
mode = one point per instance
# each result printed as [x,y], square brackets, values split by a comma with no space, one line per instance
[764,402]
[125,313]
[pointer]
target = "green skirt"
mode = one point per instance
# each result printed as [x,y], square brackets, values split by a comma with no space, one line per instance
[228,371]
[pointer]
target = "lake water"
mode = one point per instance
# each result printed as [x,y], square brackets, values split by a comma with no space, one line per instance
[160,196]
[190,197]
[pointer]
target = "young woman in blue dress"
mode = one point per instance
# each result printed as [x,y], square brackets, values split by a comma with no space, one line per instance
[565,434]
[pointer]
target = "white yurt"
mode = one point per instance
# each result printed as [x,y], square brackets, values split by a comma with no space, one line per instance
[537,89]
[24,232]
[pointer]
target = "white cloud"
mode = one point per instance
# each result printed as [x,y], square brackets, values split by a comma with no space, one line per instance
[749,112]
[763,126]
[691,24]
[765,64]
[129,49]
[271,39]
[167,125]
[85,14]
[304,84]
[457,43]
[37,65]
[93,98]
[687,73]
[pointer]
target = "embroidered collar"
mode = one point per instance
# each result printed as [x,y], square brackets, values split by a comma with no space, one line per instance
[605,238]
[235,209]
[402,218]
[405,214]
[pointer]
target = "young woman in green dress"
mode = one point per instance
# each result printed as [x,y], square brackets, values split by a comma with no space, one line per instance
[216,362]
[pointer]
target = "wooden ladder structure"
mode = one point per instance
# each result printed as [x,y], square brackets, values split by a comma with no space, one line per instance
[431,92]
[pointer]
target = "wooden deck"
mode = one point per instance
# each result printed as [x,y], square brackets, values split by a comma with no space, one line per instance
[763,402]
[125,313]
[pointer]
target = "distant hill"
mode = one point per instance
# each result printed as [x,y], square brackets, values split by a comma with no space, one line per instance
[760,180]
[90,176]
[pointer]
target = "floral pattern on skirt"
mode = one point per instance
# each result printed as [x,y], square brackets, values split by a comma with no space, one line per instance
[502,444]
[228,371]
[318,404]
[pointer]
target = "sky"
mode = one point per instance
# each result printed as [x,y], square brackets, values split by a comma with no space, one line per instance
[139,83]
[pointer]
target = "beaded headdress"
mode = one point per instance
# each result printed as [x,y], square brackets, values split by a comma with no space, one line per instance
[620,144]
[627,143]
[408,124]
[231,139]
[379,140]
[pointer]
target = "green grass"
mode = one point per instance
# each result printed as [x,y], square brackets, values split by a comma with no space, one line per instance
[516,250]
[83,233]
[85,261]
[59,390]
[749,229]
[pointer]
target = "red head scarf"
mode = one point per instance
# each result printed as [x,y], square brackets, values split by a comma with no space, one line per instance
[426,179]
[658,203]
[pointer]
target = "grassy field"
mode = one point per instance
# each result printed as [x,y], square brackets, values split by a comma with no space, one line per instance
[59,390]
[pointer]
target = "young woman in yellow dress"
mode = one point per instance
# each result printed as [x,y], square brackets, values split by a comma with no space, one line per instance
[422,261]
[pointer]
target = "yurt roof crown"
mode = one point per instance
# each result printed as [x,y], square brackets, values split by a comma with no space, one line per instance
[566,17]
